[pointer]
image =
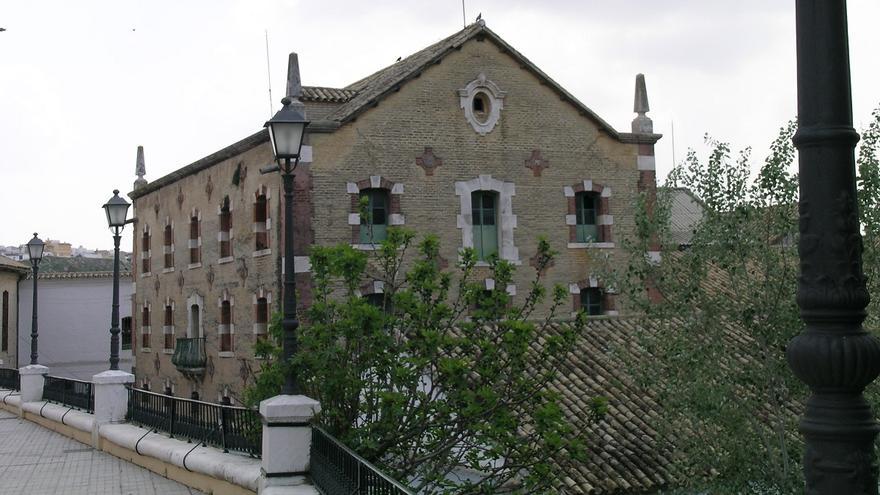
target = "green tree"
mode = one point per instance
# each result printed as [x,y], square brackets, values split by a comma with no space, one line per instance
[442,384]
[728,311]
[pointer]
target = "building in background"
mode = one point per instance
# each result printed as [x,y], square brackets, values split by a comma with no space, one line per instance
[466,139]
[11,273]
[75,296]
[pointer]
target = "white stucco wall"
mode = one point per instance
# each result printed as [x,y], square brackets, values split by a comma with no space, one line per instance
[73,324]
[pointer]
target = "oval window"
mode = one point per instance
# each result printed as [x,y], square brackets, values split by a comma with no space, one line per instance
[481,106]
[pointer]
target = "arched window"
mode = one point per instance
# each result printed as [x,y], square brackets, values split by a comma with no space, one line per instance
[195,319]
[374,225]
[586,213]
[484,215]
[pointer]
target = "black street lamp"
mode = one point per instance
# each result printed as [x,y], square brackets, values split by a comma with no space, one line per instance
[286,131]
[117,211]
[834,355]
[35,253]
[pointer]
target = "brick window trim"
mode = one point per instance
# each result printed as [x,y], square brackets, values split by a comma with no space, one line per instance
[194,242]
[146,251]
[260,327]
[604,218]
[354,189]
[609,298]
[262,221]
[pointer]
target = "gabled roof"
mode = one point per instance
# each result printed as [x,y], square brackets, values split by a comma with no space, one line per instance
[360,96]
[364,94]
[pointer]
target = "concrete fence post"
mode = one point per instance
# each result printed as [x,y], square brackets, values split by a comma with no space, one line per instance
[287,439]
[32,378]
[111,399]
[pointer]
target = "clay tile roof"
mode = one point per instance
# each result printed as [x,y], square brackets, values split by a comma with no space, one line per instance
[54,267]
[326,95]
[626,452]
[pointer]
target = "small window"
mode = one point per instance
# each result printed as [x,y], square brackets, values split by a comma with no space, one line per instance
[168,330]
[126,333]
[225,230]
[225,323]
[145,328]
[591,301]
[145,252]
[195,255]
[262,315]
[374,227]
[483,212]
[376,299]
[261,215]
[169,242]
[586,213]
[481,106]
[5,346]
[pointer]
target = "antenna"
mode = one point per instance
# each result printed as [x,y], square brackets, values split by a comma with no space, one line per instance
[672,124]
[463,17]
[268,72]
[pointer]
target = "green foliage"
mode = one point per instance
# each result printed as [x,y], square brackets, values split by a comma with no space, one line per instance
[729,311]
[442,381]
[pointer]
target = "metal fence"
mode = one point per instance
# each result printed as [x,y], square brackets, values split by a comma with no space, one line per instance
[337,470]
[9,379]
[228,427]
[70,392]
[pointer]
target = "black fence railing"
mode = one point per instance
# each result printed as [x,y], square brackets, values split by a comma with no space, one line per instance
[228,427]
[337,470]
[9,379]
[70,392]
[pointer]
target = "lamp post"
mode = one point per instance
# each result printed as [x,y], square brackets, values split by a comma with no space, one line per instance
[116,209]
[286,131]
[35,253]
[834,354]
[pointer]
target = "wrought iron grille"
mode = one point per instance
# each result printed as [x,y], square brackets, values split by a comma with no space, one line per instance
[9,379]
[228,427]
[70,392]
[337,470]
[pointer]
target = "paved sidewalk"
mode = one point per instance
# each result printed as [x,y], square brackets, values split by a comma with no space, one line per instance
[37,461]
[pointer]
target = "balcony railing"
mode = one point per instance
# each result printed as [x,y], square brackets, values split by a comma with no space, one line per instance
[337,470]
[9,379]
[189,356]
[73,393]
[228,427]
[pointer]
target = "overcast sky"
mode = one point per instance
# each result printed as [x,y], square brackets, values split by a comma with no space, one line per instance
[82,84]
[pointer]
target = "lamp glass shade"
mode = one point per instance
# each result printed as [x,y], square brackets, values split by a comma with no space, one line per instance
[286,130]
[35,248]
[116,209]
[286,138]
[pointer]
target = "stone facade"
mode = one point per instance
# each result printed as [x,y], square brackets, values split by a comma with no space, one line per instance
[416,132]
[11,272]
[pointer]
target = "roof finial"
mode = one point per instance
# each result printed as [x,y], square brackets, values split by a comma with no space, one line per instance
[294,85]
[140,169]
[641,124]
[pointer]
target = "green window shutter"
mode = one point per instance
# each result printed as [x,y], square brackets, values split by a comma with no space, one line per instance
[585,209]
[483,216]
[374,228]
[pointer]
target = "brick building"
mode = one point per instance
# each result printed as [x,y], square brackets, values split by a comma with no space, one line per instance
[466,139]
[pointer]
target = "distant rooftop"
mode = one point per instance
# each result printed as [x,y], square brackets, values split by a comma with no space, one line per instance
[79,267]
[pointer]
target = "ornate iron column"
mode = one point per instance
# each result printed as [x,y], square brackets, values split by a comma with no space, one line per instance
[35,267]
[114,312]
[289,321]
[833,355]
